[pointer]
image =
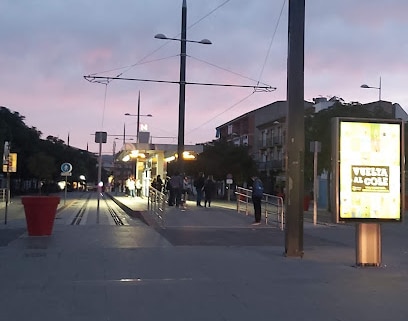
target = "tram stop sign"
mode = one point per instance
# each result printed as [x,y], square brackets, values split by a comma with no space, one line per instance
[66,169]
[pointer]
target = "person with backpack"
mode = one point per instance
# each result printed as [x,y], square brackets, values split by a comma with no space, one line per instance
[257,194]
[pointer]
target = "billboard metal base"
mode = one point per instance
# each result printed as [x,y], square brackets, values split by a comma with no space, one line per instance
[368,244]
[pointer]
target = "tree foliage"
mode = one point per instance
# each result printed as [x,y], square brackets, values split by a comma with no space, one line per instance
[222,158]
[318,127]
[39,158]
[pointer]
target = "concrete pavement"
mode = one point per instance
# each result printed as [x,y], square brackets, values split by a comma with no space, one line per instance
[208,264]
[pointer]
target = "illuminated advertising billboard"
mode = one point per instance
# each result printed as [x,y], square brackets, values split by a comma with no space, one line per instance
[368,168]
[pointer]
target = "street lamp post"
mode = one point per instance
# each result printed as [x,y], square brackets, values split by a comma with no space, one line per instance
[138,115]
[182,91]
[379,89]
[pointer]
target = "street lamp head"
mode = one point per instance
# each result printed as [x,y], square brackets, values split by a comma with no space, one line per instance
[365,86]
[148,115]
[205,42]
[160,36]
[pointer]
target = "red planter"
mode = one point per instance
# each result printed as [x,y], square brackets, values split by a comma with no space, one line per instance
[40,213]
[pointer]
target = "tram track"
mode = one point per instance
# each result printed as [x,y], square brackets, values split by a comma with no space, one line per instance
[112,212]
[79,215]
[85,203]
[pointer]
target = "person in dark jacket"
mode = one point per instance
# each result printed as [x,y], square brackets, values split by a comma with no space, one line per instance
[199,184]
[159,183]
[176,182]
[257,194]
[209,190]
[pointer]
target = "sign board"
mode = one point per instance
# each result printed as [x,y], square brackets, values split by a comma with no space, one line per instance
[66,168]
[66,174]
[100,137]
[315,146]
[368,168]
[229,181]
[6,152]
[10,165]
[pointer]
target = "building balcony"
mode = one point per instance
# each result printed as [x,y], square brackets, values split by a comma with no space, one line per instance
[275,165]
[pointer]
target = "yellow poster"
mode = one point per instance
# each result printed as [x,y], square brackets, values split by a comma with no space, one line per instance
[11,166]
[370,170]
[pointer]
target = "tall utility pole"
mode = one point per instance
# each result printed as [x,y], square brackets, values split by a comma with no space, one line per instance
[295,143]
[182,92]
[138,118]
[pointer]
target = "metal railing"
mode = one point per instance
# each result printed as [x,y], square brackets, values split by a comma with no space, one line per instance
[156,205]
[272,206]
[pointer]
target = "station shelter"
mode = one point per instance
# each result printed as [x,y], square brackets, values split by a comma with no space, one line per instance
[149,160]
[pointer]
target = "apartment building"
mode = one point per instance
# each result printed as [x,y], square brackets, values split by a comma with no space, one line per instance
[263,131]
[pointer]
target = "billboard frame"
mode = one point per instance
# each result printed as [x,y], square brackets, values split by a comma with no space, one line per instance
[338,204]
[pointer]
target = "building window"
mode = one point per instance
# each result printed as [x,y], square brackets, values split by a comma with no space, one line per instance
[229,130]
[245,140]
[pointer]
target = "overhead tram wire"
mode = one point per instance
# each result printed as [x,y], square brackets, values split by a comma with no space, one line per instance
[140,61]
[258,82]
[225,69]
[272,39]
[98,79]
[256,87]
[219,114]
[208,14]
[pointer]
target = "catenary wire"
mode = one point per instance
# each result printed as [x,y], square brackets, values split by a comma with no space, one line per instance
[140,61]
[219,114]
[271,42]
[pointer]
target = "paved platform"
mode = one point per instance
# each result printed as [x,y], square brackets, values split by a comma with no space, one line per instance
[224,269]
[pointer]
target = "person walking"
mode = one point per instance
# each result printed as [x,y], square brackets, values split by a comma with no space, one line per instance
[257,193]
[199,184]
[209,190]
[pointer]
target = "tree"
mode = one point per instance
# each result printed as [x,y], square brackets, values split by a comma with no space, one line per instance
[42,167]
[318,127]
[221,158]
[27,143]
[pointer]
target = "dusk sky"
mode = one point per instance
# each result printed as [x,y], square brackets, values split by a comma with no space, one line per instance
[47,46]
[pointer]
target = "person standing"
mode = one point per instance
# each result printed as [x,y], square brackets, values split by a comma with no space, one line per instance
[209,190]
[131,186]
[176,182]
[138,188]
[159,183]
[199,184]
[169,191]
[257,194]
